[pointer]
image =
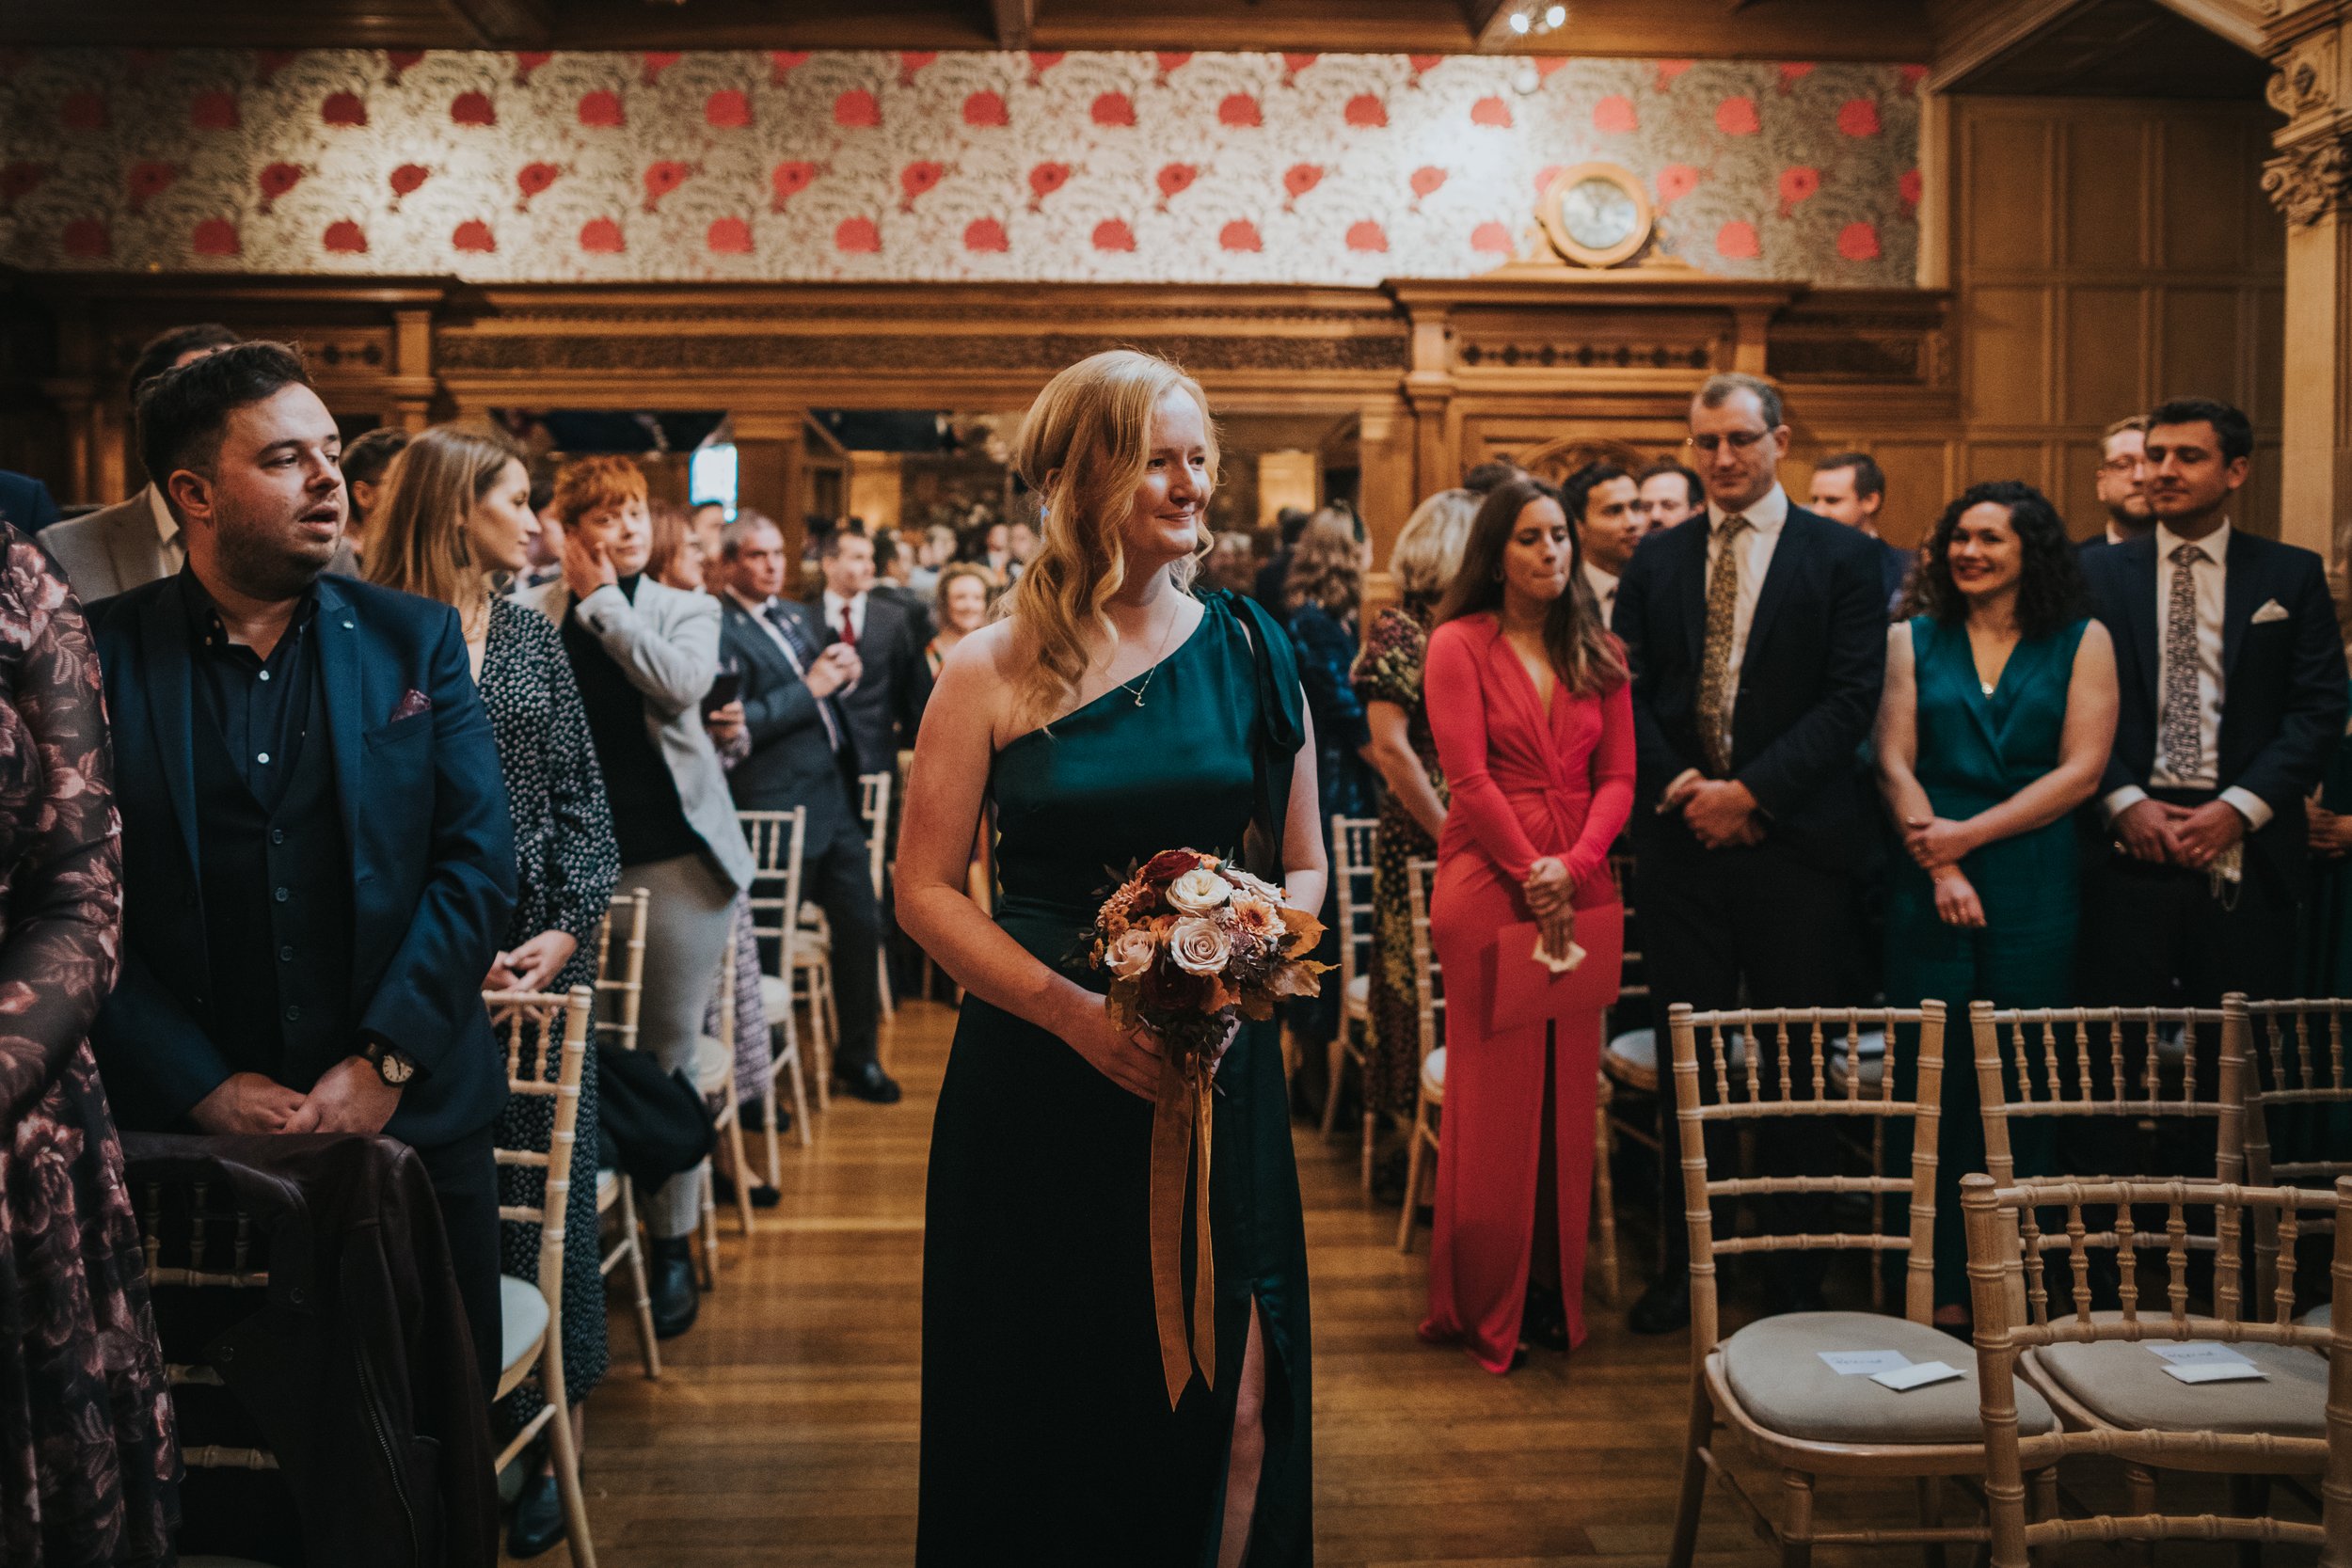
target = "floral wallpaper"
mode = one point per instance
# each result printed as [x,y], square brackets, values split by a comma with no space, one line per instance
[938,167]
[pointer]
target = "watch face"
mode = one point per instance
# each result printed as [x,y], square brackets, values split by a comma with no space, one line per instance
[1597,214]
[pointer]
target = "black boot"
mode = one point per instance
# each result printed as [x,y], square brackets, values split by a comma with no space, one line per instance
[866,1081]
[538,1518]
[676,1299]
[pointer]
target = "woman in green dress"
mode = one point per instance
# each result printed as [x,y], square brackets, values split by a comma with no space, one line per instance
[2327,966]
[1996,720]
[1112,715]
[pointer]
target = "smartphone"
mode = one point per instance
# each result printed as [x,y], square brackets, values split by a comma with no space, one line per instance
[725,688]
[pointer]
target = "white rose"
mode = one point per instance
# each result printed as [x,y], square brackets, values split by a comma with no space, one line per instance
[1199,891]
[1199,946]
[1132,953]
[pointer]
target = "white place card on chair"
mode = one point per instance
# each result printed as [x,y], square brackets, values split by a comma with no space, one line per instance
[2218,1371]
[1918,1375]
[1865,1362]
[2198,1353]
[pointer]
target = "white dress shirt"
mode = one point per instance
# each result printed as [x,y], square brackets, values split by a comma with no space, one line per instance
[836,606]
[1604,587]
[167,528]
[2211,580]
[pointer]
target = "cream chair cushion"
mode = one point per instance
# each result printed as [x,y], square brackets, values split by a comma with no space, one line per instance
[2125,1385]
[2321,1316]
[775,995]
[1433,1076]
[607,1189]
[523,1318]
[1359,993]
[1777,1371]
[713,1064]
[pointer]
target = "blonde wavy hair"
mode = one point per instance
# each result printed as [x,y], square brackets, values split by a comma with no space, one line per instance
[417,534]
[1429,551]
[1084,448]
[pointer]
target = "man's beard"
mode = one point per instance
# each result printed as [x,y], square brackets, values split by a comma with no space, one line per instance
[264,567]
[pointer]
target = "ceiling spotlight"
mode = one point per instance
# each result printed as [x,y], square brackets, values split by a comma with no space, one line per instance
[1556,15]
[1519,22]
[1537,19]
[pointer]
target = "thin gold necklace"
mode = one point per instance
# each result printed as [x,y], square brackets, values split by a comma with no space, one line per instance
[1158,658]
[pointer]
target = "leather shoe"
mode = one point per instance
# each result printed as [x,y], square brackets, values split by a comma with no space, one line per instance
[676,1299]
[722,1192]
[868,1082]
[1664,1308]
[538,1523]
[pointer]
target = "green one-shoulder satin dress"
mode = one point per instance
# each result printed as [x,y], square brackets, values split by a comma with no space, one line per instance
[1047,1438]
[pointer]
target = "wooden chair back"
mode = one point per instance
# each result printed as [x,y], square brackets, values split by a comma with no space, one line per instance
[620,965]
[2013,1317]
[1633,988]
[1765,1063]
[194,1242]
[544,1037]
[1428,975]
[777,839]
[1355,841]
[873,808]
[2299,1086]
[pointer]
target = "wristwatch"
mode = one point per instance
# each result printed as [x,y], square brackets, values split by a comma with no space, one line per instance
[391,1065]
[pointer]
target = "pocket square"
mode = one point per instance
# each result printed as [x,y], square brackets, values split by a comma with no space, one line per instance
[412,702]
[2271,610]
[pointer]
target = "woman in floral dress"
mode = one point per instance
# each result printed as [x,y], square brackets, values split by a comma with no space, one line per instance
[89,1471]
[1413,808]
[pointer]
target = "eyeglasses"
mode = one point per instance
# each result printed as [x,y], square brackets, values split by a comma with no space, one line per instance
[2122,465]
[1742,441]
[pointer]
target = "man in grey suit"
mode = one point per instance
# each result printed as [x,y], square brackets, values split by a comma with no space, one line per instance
[804,754]
[118,547]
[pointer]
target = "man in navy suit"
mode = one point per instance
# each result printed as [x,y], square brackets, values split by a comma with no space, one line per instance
[1849,487]
[318,863]
[803,754]
[1758,635]
[25,501]
[2123,467]
[2233,687]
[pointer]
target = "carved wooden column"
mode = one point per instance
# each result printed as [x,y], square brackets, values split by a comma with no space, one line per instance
[768,469]
[1429,392]
[412,385]
[2310,43]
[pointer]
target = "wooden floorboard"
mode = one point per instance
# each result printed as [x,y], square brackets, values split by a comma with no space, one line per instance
[783,1428]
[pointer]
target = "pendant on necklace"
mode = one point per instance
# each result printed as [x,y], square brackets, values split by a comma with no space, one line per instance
[1987,687]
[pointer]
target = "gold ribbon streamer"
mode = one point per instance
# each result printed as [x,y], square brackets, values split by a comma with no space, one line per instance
[1180,1139]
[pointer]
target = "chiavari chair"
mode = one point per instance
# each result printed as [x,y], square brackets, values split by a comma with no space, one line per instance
[1354,844]
[875,797]
[1429,1010]
[2299,1092]
[621,989]
[777,840]
[1769,1381]
[531,1311]
[714,1075]
[2106,1373]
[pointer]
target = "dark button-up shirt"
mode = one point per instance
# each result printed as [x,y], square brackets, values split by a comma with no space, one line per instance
[259,704]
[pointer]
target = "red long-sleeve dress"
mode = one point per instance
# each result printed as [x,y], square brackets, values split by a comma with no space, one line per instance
[1526,784]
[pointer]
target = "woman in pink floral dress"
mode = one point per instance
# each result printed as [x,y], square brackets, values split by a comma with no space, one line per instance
[89,1473]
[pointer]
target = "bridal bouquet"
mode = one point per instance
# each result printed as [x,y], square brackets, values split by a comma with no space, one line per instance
[1193,944]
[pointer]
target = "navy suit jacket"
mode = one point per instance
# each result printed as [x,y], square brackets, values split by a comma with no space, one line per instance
[2282,696]
[792,763]
[886,707]
[1808,681]
[26,503]
[431,843]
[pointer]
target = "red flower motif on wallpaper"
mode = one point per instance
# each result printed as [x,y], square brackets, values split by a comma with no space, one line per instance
[1912,76]
[215,237]
[87,240]
[213,111]
[533,178]
[1114,234]
[1615,116]
[1239,234]
[269,62]
[1366,112]
[1491,238]
[1041,61]
[1674,181]
[1113,109]
[19,180]
[526,61]
[1792,72]
[147,181]
[1297,180]
[1364,234]
[986,111]
[1174,179]
[346,238]
[1491,111]
[1797,185]
[1044,180]
[601,237]
[664,178]
[1293,65]
[918,179]
[82,111]
[1737,117]
[857,237]
[1421,65]
[1858,116]
[1858,241]
[397,62]
[729,109]
[986,235]
[473,237]
[345,109]
[601,111]
[782,63]
[473,108]
[276,181]
[1239,109]
[1427,181]
[728,237]
[911,63]
[857,110]
[1909,188]
[406,178]
[656,61]
[787,181]
[1169,61]
[1664,76]
[1736,241]
[1545,175]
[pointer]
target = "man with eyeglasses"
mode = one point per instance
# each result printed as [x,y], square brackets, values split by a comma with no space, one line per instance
[2121,484]
[1758,635]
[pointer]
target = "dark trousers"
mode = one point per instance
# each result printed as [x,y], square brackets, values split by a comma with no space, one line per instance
[839,878]
[1767,926]
[466,1185]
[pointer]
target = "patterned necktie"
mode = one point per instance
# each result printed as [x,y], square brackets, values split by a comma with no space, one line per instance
[803,655]
[2182,726]
[1722,604]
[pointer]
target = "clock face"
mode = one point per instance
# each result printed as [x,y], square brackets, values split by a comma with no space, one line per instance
[1597,214]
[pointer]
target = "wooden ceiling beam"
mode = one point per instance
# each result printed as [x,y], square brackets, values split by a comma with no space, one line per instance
[504,24]
[1972,34]
[1489,23]
[1016,22]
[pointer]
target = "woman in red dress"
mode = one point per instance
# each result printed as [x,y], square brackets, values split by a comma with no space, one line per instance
[1529,704]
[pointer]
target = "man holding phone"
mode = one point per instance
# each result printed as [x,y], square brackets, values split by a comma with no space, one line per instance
[803,754]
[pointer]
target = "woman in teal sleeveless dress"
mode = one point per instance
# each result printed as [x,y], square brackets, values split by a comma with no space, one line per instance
[1048,1436]
[1998,716]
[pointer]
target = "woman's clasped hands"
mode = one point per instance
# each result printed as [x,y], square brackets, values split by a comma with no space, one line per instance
[1551,899]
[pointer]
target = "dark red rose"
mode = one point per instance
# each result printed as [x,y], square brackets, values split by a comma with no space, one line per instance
[1168,988]
[1169,864]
